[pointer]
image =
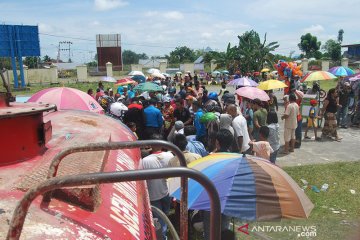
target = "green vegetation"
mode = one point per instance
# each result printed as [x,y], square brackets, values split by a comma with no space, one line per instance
[310,45]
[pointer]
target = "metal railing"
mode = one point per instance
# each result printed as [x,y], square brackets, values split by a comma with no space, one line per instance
[19,215]
[129,145]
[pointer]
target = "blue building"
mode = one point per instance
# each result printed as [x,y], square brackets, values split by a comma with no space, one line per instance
[353,51]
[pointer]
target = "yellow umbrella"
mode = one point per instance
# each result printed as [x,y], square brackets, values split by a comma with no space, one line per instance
[271,84]
[265,70]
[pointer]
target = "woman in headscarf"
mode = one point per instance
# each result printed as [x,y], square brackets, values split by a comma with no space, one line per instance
[329,110]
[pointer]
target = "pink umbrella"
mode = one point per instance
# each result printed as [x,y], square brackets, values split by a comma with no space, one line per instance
[252,93]
[244,82]
[67,98]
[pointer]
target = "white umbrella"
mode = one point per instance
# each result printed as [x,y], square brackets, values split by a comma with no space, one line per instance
[153,70]
[166,74]
[108,79]
[158,75]
[135,73]
[118,109]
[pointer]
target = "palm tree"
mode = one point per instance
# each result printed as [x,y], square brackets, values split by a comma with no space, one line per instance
[253,54]
[227,59]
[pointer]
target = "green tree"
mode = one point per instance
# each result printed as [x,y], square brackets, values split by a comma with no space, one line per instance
[5,62]
[309,45]
[92,64]
[252,53]
[143,56]
[130,57]
[46,58]
[332,50]
[210,56]
[181,55]
[227,59]
[31,62]
[340,36]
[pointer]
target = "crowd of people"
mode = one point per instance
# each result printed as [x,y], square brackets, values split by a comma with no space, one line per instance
[199,123]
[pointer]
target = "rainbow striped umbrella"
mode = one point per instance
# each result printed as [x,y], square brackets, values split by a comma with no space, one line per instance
[250,188]
[341,71]
[318,76]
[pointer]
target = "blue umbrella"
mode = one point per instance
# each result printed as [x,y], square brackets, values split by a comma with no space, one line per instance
[139,78]
[341,71]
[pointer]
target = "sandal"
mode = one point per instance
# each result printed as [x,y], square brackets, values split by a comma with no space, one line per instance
[307,137]
[338,139]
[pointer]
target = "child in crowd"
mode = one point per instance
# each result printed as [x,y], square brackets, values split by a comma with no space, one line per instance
[132,127]
[311,120]
[262,148]
[274,134]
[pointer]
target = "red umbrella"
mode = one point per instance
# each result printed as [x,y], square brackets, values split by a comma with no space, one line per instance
[67,98]
[125,81]
[252,93]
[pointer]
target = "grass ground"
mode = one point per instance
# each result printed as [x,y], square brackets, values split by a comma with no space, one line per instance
[336,213]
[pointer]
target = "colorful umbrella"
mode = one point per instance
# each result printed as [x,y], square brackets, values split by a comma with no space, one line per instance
[265,70]
[139,78]
[318,76]
[136,73]
[125,81]
[252,93]
[250,188]
[148,87]
[67,98]
[108,79]
[353,78]
[341,71]
[271,84]
[243,82]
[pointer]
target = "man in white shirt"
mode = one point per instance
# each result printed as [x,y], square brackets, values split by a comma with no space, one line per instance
[290,116]
[157,188]
[239,125]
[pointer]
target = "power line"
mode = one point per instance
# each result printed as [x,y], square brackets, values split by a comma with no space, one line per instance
[91,40]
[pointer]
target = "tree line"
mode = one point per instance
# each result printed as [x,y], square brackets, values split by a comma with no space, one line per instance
[249,55]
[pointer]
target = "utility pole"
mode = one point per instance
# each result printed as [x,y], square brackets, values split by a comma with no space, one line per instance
[64,46]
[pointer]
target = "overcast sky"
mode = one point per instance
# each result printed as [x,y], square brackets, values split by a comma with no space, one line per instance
[156,27]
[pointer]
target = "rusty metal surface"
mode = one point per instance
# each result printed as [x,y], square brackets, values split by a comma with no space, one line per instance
[53,169]
[22,207]
[24,109]
[86,197]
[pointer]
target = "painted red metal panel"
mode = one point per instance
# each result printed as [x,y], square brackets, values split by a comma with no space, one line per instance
[124,211]
[109,54]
